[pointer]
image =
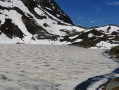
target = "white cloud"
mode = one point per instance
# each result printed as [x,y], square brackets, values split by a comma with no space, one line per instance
[97,8]
[79,18]
[93,21]
[115,3]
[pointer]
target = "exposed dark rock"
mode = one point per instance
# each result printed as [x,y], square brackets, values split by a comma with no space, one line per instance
[45,4]
[97,37]
[55,10]
[46,25]
[31,5]
[11,30]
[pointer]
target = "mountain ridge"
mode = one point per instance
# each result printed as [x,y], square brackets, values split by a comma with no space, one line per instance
[43,22]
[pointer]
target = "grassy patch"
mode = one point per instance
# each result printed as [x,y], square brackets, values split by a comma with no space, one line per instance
[112,84]
[114,52]
[91,38]
[87,41]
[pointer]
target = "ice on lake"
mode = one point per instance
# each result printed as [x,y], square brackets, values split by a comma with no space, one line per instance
[47,67]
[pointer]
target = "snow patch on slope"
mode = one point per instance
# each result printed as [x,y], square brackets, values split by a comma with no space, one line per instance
[105,45]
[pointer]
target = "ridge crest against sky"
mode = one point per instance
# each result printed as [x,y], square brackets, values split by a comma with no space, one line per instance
[90,13]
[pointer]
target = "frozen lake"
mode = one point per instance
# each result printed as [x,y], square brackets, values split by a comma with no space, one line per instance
[46,67]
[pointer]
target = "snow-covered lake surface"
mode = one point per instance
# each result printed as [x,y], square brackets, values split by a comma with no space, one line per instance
[46,67]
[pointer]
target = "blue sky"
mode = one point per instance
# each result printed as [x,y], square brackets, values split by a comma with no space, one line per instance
[90,13]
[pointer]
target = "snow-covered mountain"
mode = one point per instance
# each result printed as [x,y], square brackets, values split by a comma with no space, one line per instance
[32,21]
[95,37]
[43,22]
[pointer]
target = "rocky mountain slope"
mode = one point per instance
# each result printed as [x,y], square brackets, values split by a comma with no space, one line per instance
[95,37]
[32,21]
[43,22]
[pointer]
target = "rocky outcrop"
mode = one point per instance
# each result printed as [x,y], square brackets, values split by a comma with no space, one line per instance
[11,30]
[95,37]
[50,6]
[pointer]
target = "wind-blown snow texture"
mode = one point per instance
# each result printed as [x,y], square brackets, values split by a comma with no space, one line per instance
[43,22]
